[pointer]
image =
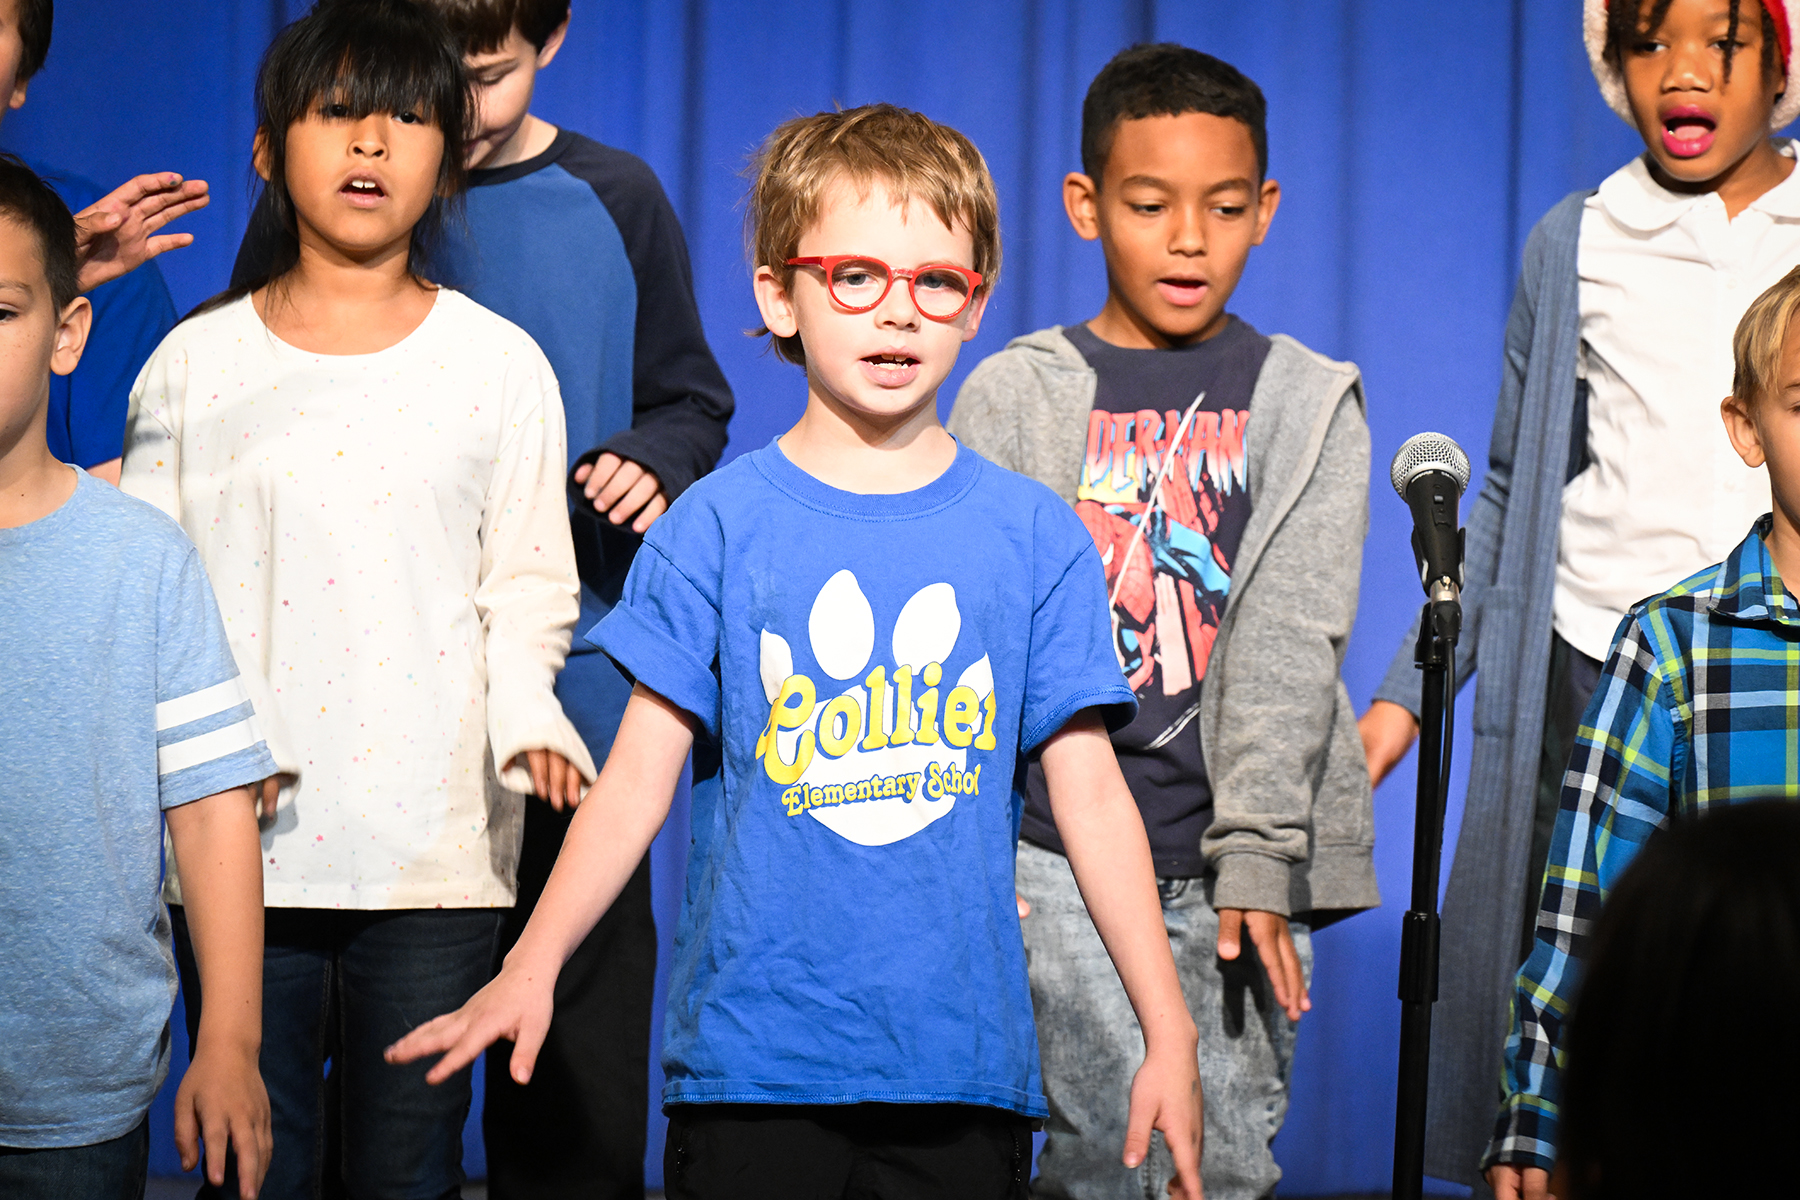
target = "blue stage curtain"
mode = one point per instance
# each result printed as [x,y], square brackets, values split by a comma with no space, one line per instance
[1415,142]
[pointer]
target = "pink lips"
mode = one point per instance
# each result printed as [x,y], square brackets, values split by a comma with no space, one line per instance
[1183,293]
[1687,131]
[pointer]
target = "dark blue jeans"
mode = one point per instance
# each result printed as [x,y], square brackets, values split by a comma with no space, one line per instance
[112,1170]
[339,987]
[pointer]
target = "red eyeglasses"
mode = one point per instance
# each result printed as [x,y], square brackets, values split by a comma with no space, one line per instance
[859,283]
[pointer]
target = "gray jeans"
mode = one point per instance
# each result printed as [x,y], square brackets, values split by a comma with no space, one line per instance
[1091,1044]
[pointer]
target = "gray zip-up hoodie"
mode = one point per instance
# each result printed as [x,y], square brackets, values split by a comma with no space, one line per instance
[1293,827]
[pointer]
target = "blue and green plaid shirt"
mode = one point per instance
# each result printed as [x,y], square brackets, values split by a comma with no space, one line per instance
[1699,705]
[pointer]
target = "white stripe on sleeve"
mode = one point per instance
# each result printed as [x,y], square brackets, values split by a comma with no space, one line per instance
[204,703]
[205,747]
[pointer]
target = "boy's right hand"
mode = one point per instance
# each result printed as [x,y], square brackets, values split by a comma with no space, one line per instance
[1388,732]
[222,1102]
[516,1005]
[1512,1182]
[114,234]
[1165,1095]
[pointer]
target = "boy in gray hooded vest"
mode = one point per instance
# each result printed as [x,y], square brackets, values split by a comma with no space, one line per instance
[1232,560]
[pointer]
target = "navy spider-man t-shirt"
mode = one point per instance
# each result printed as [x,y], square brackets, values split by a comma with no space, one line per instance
[1168,584]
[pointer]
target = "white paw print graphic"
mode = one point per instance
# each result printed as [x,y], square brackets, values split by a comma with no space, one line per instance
[883,758]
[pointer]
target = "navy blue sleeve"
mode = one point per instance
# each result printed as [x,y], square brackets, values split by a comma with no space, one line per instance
[680,400]
[132,315]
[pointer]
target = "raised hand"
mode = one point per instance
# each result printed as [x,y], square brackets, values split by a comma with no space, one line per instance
[116,234]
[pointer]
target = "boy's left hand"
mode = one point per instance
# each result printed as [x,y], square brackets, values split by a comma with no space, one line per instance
[1275,945]
[222,1102]
[1165,1095]
[553,778]
[620,488]
[113,234]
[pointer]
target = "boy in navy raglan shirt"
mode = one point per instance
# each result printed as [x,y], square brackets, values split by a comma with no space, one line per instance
[122,709]
[576,243]
[865,631]
[86,423]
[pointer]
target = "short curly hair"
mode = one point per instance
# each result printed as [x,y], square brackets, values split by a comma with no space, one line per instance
[1166,79]
[914,156]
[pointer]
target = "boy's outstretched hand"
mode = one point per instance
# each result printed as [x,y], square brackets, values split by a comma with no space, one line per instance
[113,235]
[1165,1095]
[516,1005]
[222,1102]
[1274,942]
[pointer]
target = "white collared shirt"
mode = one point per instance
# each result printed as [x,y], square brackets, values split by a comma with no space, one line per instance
[1665,278]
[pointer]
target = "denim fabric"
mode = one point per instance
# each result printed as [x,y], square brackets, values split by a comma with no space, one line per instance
[109,1170]
[1091,1044]
[340,987]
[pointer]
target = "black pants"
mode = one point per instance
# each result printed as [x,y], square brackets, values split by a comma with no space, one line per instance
[846,1152]
[1573,678]
[579,1128]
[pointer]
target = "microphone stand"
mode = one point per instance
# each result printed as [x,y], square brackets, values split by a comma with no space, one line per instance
[1439,626]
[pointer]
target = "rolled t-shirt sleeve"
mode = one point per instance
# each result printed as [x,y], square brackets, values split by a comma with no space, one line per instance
[1072,665]
[207,738]
[664,632]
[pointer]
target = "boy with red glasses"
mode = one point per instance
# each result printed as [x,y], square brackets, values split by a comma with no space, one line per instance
[864,631]
[1224,476]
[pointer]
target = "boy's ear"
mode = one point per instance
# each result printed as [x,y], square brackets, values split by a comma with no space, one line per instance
[71,335]
[259,155]
[554,42]
[972,317]
[1267,202]
[1081,200]
[1740,427]
[773,301]
[17,100]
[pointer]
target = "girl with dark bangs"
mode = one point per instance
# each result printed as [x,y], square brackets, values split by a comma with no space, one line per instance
[372,468]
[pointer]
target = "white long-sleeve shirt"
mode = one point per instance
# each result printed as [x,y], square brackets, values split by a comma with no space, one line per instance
[388,538]
[1664,280]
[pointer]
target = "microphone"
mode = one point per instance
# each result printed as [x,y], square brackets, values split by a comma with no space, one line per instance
[1430,472]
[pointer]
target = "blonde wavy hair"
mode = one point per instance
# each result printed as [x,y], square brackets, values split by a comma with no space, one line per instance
[1756,346]
[913,156]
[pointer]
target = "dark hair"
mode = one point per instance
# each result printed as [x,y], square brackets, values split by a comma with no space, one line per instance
[28,201]
[1682,1048]
[1165,79]
[35,19]
[482,26]
[1626,21]
[369,56]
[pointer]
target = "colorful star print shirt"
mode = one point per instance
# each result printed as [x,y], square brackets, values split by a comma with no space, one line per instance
[870,673]
[1168,562]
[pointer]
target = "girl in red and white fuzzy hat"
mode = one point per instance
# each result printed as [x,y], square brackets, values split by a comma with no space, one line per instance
[1610,479]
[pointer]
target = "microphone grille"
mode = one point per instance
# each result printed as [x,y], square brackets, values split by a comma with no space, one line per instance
[1429,452]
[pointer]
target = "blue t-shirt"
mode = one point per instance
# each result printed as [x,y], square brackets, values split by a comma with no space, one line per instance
[119,698]
[132,315]
[871,672]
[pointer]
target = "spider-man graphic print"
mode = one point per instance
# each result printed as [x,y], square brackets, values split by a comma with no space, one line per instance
[1164,490]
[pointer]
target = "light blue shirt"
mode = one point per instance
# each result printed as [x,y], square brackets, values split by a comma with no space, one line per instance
[119,698]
